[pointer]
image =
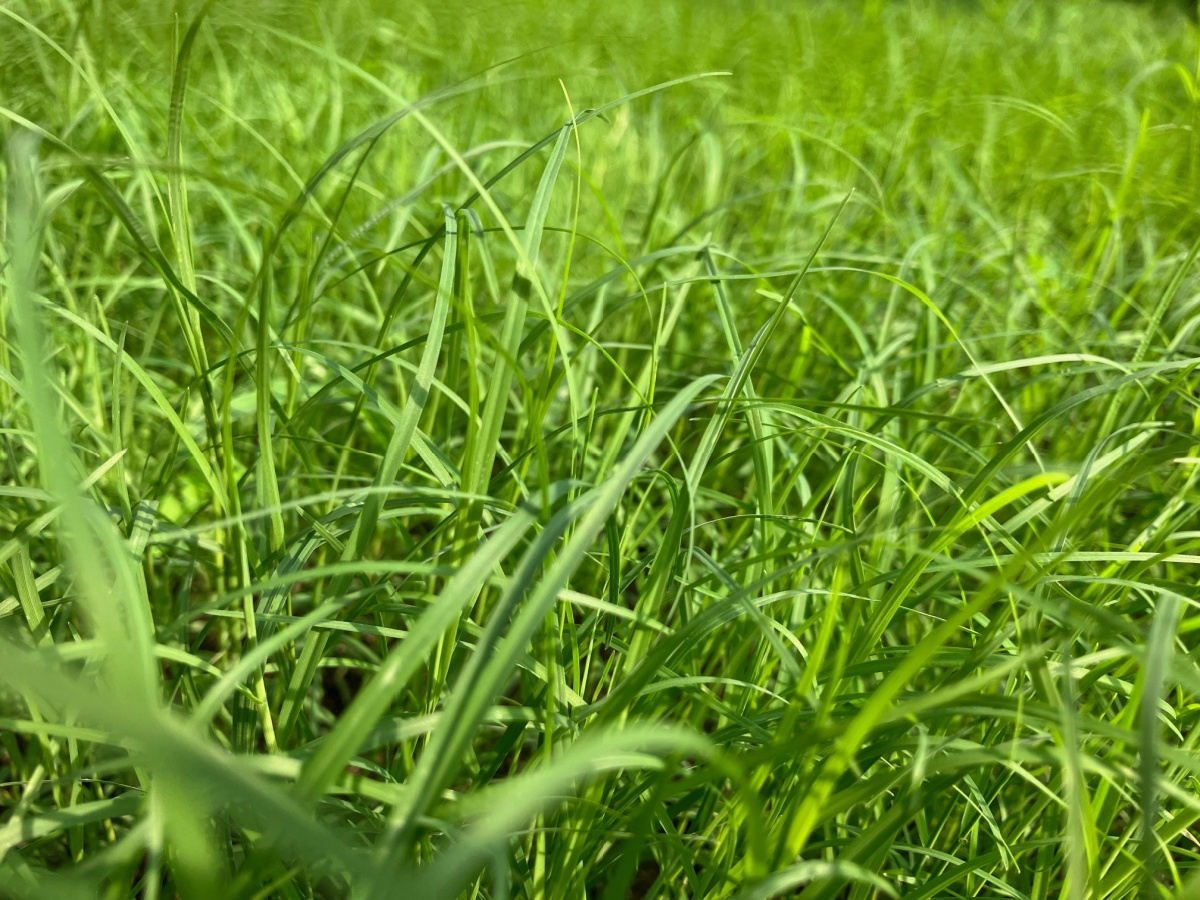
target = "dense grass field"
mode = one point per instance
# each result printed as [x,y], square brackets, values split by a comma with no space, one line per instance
[599,450]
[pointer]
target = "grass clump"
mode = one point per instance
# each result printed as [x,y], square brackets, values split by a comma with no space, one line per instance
[624,451]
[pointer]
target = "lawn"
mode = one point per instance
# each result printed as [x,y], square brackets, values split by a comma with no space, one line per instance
[686,449]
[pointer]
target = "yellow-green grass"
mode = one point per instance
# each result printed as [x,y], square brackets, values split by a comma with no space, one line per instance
[524,450]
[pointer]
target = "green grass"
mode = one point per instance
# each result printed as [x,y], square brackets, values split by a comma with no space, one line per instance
[599,450]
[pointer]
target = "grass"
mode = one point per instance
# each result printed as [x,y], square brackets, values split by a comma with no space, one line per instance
[606,450]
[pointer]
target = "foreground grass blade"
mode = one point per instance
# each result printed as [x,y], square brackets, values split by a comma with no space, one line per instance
[487,674]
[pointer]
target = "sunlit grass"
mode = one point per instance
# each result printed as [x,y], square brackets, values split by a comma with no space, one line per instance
[609,450]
